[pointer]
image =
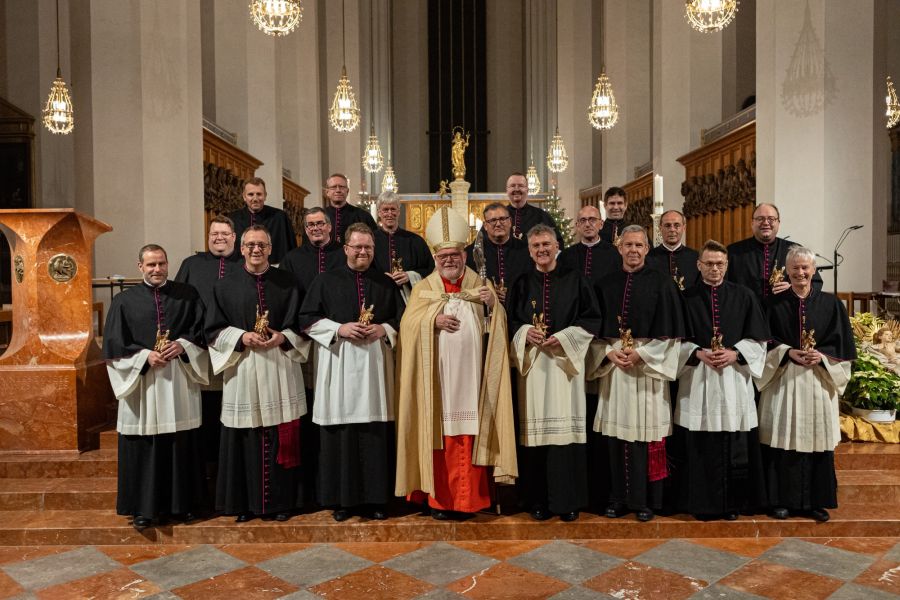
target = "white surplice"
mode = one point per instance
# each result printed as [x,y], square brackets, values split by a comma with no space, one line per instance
[459,367]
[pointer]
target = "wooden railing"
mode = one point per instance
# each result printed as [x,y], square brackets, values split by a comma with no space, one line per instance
[720,186]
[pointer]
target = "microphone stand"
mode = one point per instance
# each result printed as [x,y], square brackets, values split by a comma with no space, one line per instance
[840,241]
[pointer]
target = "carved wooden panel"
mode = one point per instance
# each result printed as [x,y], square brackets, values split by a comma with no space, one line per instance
[225,169]
[720,188]
[592,196]
[294,196]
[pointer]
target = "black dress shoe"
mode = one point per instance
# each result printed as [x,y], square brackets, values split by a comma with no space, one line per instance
[819,514]
[341,514]
[779,512]
[244,517]
[379,512]
[539,513]
[185,517]
[569,516]
[141,523]
[615,510]
[440,515]
[731,516]
[644,515]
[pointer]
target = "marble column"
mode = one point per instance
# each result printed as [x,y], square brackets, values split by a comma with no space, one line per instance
[817,134]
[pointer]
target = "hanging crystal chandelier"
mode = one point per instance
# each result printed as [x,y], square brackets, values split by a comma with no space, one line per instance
[389,181]
[557,159]
[344,113]
[893,105]
[372,161]
[276,17]
[708,16]
[58,113]
[534,182]
[603,111]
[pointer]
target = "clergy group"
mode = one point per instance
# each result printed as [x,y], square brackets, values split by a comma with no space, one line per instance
[367,363]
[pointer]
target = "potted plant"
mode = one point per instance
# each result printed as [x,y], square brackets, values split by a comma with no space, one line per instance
[874,388]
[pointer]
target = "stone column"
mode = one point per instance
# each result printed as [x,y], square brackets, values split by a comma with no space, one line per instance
[816,135]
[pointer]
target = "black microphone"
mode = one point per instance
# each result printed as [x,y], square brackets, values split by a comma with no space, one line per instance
[855,227]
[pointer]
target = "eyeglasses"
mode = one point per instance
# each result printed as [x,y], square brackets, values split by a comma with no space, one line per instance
[713,265]
[361,249]
[337,187]
[585,220]
[316,225]
[220,235]
[766,219]
[256,245]
[497,220]
[445,258]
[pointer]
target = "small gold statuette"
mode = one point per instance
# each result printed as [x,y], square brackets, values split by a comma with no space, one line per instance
[458,153]
[678,279]
[716,343]
[262,323]
[777,275]
[625,336]
[807,337]
[443,190]
[537,320]
[396,263]
[162,339]
[366,314]
[499,286]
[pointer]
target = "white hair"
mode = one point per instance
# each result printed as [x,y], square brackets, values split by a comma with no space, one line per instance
[387,197]
[796,251]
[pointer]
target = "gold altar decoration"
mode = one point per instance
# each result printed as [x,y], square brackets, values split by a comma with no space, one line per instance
[162,340]
[458,153]
[366,314]
[777,275]
[807,337]
[893,105]
[707,16]
[372,160]
[261,326]
[58,113]
[625,336]
[443,190]
[538,320]
[603,112]
[557,158]
[276,17]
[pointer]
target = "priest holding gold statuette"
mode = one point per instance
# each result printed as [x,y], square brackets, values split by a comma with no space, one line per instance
[553,316]
[505,257]
[807,368]
[352,314]
[454,419]
[153,346]
[759,261]
[400,254]
[254,341]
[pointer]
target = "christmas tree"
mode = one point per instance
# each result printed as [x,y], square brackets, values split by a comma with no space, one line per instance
[558,214]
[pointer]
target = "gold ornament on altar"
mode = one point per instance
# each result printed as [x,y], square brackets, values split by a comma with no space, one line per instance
[261,326]
[366,315]
[625,336]
[807,337]
[162,340]
[777,275]
[458,153]
[716,343]
[537,320]
[443,190]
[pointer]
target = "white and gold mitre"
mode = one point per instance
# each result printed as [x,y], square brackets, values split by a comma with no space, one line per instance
[446,229]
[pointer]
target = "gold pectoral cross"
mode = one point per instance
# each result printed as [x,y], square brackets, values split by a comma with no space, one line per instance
[625,336]
[261,326]
[162,338]
[366,314]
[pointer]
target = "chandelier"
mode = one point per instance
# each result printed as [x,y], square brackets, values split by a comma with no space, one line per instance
[389,181]
[893,105]
[557,159]
[344,113]
[58,113]
[276,17]
[707,16]
[534,182]
[603,111]
[372,161]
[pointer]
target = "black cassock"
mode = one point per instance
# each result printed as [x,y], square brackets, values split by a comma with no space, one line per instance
[159,474]
[612,228]
[750,263]
[251,480]
[356,461]
[594,262]
[523,219]
[347,215]
[202,270]
[405,245]
[680,264]
[718,472]
[554,476]
[505,262]
[806,480]
[275,220]
[651,307]
[308,260]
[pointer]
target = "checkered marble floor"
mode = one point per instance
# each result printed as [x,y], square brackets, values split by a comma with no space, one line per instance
[840,568]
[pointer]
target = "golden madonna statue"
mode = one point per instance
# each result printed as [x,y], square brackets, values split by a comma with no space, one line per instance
[458,153]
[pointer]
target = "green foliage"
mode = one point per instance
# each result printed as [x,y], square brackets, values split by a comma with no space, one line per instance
[558,214]
[872,386]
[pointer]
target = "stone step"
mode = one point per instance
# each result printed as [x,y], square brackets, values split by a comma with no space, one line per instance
[96,527]
[867,456]
[73,493]
[94,463]
[109,439]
